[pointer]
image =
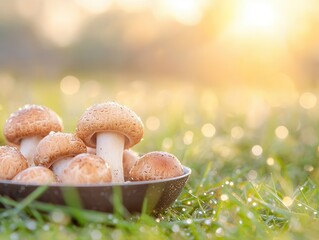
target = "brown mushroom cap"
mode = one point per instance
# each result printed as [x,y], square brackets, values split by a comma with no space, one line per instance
[56,146]
[110,117]
[156,165]
[86,168]
[129,159]
[36,175]
[30,121]
[11,162]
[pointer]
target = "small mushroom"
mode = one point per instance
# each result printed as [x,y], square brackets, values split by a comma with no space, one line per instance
[129,159]
[27,126]
[57,146]
[86,168]
[36,175]
[111,128]
[156,165]
[11,162]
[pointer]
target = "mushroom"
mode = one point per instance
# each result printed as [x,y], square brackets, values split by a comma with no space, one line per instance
[156,165]
[86,168]
[56,149]
[36,175]
[129,159]
[111,128]
[27,126]
[11,162]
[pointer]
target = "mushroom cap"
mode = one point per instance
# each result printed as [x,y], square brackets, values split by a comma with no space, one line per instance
[156,165]
[113,117]
[86,168]
[129,159]
[55,146]
[36,175]
[30,121]
[11,162]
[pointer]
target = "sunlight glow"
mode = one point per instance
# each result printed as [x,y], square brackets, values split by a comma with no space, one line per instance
[153,123]
[60,22]
[188,12]
[70,85]
[258,14]
[96,6]
[282,132]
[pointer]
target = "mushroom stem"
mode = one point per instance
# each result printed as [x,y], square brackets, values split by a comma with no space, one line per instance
[110,147]
[27,147]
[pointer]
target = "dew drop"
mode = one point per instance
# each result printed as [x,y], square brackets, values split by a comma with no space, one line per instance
[219,232]
[189,221]
[175,228]
[31,225]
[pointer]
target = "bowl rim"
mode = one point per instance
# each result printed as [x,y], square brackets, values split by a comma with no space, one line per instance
[187,172]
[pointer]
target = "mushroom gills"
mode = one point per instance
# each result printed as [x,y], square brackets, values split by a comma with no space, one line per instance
[27,147]
[110,147]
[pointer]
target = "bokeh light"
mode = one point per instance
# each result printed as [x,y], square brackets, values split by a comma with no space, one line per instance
[308,100]
[208,130]
[70,85]
[153,123]
[257,150]
[281,132]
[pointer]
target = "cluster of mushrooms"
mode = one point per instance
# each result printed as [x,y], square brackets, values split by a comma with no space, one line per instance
[39,152]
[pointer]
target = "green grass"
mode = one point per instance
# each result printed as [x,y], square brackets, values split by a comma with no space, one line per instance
[268,182]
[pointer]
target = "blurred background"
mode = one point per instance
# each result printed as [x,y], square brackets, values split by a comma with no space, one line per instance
[202,74]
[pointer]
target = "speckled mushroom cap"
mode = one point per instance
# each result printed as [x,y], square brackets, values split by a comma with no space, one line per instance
[86,168]
[110,116]
[156,165]
[11,162]
[129,159]
[36,175]
[55,146]
[29,121]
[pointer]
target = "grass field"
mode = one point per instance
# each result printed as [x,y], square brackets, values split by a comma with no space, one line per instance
[258,145]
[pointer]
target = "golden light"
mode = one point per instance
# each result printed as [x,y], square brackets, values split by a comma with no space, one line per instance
[259,16]
[208,130]
[282,132]
[188,138]
[70,85]
[96,6]
[153,123]
[308,100]
[187,12]
[60,22]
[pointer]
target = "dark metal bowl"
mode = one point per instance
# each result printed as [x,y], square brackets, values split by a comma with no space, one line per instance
[155,196]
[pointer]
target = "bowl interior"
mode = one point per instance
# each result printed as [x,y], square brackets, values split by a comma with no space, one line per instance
[151,196]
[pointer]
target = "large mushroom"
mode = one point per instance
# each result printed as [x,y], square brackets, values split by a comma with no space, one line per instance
[129,159]
[56,149]
[111,128]
[156,165]
[11,162]
[27,126]
[86,168]
[36,175]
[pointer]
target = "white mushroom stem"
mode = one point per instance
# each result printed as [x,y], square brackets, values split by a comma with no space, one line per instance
[110,147]
[59,166]
[27,147]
